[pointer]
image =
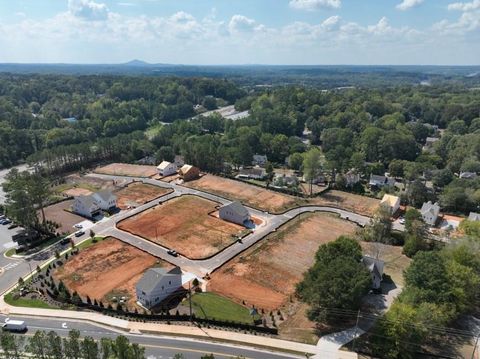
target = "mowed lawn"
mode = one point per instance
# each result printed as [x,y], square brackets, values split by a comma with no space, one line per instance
[186,225]
[213,306]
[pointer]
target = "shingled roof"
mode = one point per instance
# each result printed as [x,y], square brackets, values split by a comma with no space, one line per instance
[153,276]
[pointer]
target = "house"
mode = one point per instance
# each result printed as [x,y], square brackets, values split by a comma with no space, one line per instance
[390,202]
[468,175]
[179,161]
[318,179]
[157,284]
[166,168]
[234,212]
[430,212]
[189,173]
[86,206]
[474,217]
[429,143]
[105,199]
[352,178]
[380,181]
[252,173]
[70,119]
[375,267]
[259,160]
[147,160]
[283,180]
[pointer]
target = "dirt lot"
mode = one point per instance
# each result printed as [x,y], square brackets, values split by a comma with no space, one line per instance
[108,268]
[248,194]
[266,274]
[349,201]
[137,193]
[57,214]
[395,261]
[125,169]
[76,184]
[74,192]
[184,224]
[276,202]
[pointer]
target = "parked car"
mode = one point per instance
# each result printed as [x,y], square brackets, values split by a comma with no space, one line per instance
[172,252]
[65,240]
[6,221]
[402,220]
[79,233]
[78,225]
[12,226]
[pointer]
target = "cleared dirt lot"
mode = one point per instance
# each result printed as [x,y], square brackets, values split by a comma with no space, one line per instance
[76,184]
[184,224]
[248,194]
[126,169]
[107,268]
[137,193]
[266,274]
[276,202]
[349,201]
[58,214]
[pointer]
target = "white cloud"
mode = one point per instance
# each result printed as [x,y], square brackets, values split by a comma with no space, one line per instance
[465,6]
[408,4]
[88,10]
[311,5]
[127,4]
[240,23]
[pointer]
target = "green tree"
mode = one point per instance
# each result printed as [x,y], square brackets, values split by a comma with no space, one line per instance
[380,227]
[89,348]
[38,345]
[121,347]
[106,346]
[11,345]
[295,161]
[55,349]
[312,166]
[71,345]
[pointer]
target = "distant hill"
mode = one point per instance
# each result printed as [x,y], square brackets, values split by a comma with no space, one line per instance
[250,75]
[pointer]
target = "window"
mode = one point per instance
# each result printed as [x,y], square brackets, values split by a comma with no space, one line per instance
[169,282]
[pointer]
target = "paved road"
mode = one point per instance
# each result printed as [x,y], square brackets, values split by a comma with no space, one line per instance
[157,346]
[270,224]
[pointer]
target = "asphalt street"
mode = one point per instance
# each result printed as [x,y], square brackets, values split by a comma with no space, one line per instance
[157,347]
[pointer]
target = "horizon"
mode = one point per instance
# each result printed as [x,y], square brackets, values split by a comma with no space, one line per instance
[248,32]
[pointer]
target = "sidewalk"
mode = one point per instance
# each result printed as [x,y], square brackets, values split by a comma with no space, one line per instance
[329,345]
[153,328]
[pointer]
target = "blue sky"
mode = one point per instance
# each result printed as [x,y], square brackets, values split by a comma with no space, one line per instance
[241,31]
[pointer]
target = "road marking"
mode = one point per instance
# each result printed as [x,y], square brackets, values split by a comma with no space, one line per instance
[10,266]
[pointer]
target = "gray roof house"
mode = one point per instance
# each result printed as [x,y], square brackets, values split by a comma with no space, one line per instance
[380,181]
[86,206]
[467,175]
[105,199]
[259,160]
[157,284]
[252,173]
[474,217]
[375,267]
[234,212]
[430,212]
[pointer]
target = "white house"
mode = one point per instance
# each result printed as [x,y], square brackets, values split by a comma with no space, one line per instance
[157,284]
[468,175]
[86,206]
[259,160]
[252,173]
[352,178]
[234,212]
[375,267]
[381,181]
[390,202]
[281,180]
[474,217]
[105,199]
[166,168]
[430,212]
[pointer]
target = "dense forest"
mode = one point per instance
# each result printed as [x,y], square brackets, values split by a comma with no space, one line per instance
[69,122]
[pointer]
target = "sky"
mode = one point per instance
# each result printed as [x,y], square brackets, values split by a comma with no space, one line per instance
[211,32]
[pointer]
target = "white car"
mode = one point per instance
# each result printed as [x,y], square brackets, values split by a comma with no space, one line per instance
[402,221]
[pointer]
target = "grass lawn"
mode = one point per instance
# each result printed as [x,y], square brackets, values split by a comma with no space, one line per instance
[66,186]
[10,252]
[213,306]
[23,302]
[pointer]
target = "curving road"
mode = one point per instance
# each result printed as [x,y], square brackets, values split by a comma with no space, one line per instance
[200,268]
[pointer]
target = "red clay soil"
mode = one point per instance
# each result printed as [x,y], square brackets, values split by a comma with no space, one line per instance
[126,169]
[248,194]
[184,224]
[137,193]
[348,201]
[107,267]
[266,274]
